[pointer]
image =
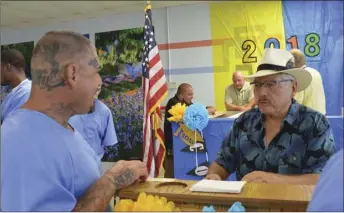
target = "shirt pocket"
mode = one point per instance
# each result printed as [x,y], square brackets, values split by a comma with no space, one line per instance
[290,164]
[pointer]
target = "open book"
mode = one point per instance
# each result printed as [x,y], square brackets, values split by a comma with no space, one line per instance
[218,186]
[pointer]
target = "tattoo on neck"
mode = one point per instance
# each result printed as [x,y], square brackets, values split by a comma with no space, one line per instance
[59,112]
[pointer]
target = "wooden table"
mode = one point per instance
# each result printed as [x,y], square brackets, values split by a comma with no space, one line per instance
[254,197]
[225,114]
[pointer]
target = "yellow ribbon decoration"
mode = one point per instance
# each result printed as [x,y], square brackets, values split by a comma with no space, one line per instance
[177,112]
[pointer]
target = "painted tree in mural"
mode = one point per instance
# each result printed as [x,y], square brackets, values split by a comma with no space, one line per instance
[120,54]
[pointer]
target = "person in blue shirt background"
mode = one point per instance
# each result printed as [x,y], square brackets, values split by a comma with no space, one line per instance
[4,91]
[96,127]
[328,193]
[46,165]
[13,75]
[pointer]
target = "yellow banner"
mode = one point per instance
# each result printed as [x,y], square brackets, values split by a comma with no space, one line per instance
[187,135]
[240,30]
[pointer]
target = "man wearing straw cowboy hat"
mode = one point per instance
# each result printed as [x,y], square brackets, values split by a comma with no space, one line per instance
[281,141]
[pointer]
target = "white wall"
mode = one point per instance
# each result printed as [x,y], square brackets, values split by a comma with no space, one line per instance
[172,25]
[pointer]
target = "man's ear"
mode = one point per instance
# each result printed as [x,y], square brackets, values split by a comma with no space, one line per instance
[70,75]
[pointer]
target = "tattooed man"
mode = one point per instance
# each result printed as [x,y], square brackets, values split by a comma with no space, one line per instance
[45,164]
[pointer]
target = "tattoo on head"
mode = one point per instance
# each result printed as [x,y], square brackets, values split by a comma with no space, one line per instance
[48,78]
[124,179]
[52,49]
[94,63]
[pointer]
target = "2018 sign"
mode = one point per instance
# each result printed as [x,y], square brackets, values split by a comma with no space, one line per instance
[311,48]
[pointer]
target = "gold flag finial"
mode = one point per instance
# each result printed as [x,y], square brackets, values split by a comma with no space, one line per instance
[148,6]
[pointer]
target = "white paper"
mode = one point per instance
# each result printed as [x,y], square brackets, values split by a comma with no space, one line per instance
[218,186]
[236,115]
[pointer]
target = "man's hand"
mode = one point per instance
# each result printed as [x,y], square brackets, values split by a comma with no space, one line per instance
[213,177]
[211,110]
[121,175]
[125,173]
[261,177]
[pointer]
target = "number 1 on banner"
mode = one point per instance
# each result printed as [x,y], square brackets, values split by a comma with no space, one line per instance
[293,41]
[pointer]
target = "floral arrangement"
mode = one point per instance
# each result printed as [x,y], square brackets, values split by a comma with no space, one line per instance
[146,203]
[195,116]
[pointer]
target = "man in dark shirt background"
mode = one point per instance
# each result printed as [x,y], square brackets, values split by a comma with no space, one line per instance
[184,95]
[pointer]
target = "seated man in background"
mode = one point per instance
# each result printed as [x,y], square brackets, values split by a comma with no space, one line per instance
[96,127]
[313,96]
[281,141]
[239,95]
[328,193]
[13,75]
[184,95]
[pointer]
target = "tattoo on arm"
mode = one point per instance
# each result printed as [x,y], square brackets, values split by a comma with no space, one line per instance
[124,179]
[98,197]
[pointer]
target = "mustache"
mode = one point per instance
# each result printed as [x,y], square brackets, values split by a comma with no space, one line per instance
[263,100]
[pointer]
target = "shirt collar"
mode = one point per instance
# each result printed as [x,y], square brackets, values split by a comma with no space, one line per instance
[21,83]
[244,87]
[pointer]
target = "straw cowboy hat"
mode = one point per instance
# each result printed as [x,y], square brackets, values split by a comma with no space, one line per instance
[275,61]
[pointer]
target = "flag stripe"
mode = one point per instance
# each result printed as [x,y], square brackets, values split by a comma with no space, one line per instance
[155,90]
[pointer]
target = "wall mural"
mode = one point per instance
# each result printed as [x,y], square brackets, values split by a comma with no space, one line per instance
[120,54]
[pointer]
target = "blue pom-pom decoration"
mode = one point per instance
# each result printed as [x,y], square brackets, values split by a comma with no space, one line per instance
[208,209]
[196,117]
[237,207]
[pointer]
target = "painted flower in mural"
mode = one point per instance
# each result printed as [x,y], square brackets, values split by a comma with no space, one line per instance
[177,112]
[127,112]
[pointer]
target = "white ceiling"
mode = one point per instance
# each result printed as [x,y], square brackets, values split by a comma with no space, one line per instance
[22,14]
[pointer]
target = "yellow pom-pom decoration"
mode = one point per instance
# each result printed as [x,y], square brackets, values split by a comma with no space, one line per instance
[177,112]
[146,203]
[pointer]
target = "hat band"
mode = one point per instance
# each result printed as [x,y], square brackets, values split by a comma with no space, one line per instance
[271,67]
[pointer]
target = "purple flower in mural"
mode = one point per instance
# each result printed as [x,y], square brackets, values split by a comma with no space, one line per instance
[128,119]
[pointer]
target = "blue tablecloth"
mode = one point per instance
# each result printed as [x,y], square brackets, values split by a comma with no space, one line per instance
[214,134]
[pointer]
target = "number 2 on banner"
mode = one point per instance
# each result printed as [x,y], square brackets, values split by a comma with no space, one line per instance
[249,46]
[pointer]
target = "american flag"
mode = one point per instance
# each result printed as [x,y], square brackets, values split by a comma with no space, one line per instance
[155,90]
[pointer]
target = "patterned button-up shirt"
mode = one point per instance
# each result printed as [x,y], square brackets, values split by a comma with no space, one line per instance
[303,145]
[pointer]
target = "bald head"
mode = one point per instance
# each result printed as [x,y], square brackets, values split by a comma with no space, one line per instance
[183,87]
[54,51]
[299,58]
[238,80]
[65,73]
[185,93]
